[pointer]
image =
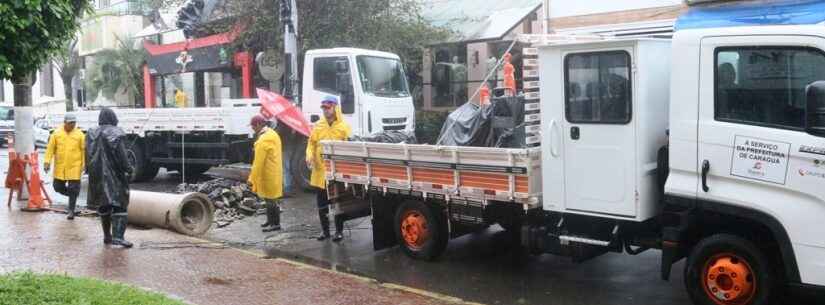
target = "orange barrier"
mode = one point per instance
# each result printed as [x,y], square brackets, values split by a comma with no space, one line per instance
[16,179]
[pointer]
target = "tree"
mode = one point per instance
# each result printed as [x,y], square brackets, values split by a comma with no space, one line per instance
[387,25]
[117,71]
[67,62]
[31,32]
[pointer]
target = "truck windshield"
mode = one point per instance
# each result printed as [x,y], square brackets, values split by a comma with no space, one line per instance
[6,113]
[382,76]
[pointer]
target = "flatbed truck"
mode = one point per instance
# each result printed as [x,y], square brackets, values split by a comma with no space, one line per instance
[707,147]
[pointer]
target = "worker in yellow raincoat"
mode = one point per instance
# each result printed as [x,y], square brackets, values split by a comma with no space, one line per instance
[67,148]
[330,127]
[267,176]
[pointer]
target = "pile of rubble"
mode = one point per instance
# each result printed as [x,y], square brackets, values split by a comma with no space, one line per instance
[233,200]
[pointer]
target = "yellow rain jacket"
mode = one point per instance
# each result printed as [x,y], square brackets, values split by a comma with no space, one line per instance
[339,130]
[267,176]
[68,151]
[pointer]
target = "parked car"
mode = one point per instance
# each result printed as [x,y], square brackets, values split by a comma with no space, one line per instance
[42,131]
[6,123]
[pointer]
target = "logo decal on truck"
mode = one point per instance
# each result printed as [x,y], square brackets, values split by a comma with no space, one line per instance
[760,159]
[812,150]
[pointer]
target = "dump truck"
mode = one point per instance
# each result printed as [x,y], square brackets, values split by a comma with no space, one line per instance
[708,147]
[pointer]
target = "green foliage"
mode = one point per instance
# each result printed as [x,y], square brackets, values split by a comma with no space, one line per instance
[428,125]
[29,288]
[32,31]
[117,70]
[386,25]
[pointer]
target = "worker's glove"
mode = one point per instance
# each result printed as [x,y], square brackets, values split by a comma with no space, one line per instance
[46,167]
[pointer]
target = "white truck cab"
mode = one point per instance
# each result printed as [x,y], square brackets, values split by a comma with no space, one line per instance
[370,85]
[744,139]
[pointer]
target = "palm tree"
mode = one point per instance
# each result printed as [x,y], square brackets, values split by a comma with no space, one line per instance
[117,71]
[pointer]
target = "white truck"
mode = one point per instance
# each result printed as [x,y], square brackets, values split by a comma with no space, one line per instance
[709,147]
[372,87]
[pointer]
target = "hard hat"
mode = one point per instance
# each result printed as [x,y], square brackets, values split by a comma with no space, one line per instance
[329,100]
[70,118]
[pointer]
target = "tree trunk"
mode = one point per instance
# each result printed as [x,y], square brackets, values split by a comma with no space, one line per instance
[68,91]
[23,121]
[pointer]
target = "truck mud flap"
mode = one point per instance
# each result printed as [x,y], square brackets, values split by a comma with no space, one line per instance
[383,221]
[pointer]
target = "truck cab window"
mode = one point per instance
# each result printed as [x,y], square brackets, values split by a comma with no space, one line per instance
[597,88]
[326,80]
[765,85]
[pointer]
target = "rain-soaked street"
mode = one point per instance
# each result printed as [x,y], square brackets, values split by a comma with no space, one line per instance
[482,267]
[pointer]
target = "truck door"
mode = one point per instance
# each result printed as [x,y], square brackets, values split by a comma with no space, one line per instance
[753,148]
[332,76]
[599,145]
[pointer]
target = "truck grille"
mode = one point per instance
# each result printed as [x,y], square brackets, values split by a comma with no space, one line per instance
[394,121]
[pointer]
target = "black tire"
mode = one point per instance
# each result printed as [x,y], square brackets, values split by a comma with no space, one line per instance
[135,155]
[301,174]
[736,253]
[429,245]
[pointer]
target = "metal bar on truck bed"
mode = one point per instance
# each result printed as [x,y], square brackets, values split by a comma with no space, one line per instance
[190,161]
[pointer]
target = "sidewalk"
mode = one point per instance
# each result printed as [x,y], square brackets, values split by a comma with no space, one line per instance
[182,267]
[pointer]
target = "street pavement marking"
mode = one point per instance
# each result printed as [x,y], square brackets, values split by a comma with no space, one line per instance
[429,294]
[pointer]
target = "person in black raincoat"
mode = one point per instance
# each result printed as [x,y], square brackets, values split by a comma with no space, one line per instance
[109,171]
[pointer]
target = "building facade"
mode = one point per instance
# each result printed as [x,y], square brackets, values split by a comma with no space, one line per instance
[484,29]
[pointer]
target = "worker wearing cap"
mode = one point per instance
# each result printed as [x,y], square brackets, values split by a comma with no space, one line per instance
[67,148]
[330,127]
[267,176]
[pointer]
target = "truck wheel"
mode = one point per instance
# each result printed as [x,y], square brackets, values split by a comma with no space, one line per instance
[725,269]
[421,231]
[137,159]
[301,175]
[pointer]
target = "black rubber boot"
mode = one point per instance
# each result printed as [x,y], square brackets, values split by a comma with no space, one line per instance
[322,215]
[273,216]
[106,223]
[72,204]
[268,219]
[119,230]
[339,228]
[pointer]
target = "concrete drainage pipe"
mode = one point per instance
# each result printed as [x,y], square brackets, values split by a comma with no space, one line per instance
[189,214]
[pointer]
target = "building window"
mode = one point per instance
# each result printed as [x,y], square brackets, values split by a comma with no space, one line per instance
[597,88]
[449,76]
[47,80]
[765,85]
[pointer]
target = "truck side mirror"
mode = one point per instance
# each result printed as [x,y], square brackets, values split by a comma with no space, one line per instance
[815,108]
[314,118]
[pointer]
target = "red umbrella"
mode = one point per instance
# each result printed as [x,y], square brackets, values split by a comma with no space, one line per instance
[275,105]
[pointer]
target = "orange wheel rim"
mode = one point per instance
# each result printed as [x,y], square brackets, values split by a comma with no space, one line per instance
[414,229]
[729,280]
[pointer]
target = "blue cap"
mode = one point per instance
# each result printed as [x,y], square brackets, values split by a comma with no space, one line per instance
[329,99]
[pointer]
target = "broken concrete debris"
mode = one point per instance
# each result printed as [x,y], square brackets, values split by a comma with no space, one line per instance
[233,200]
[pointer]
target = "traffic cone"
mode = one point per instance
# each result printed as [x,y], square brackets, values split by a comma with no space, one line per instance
[35,187]
[17,172]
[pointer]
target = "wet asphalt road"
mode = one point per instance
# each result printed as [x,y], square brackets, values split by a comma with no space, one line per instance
[481,267]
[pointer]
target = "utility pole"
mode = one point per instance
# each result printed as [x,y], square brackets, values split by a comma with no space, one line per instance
[289,22]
